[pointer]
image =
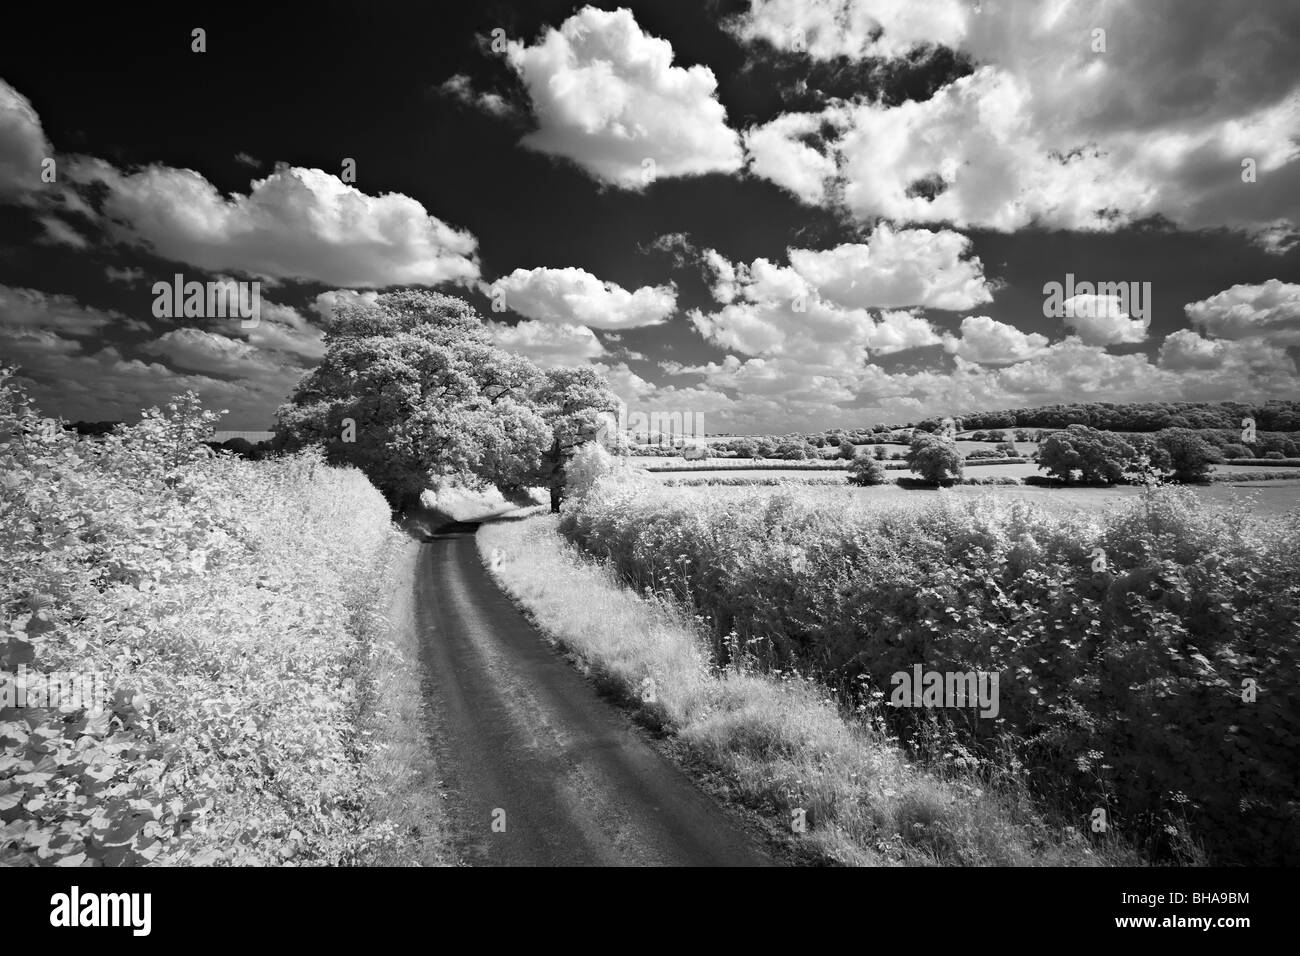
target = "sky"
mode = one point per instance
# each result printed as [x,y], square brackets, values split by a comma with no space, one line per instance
[778,215]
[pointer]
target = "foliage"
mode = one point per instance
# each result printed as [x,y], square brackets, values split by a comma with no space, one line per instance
[1099,457]
[1120,687]
[143,557]
[1185,455]
[1281,416]
[934,459]
[589,464]
[412,391]
[866,470]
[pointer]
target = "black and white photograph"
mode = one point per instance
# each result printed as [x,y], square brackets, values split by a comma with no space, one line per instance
[846,434]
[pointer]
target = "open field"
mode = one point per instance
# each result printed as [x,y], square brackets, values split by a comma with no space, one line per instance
[1262,497]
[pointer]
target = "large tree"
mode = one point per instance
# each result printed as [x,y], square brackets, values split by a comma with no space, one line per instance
[412,390]
[1099,457]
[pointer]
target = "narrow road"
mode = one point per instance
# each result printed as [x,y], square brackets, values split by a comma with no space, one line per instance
[541,770]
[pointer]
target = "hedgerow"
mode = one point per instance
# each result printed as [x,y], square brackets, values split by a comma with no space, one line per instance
[220,601]
[1123,688]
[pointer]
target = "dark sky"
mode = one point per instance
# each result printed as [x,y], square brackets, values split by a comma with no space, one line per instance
[311,85]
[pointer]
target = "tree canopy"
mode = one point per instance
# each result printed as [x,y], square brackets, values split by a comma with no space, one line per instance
[412,390]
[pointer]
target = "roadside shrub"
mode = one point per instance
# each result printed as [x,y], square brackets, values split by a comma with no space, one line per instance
[142,557]
[589,464]
[1121,688]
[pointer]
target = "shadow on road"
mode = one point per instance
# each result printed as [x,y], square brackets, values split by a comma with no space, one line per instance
[433,524]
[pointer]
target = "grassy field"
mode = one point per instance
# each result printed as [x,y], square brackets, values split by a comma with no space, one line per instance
[1261,497]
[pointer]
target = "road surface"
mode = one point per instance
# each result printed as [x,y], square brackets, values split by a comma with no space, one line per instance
[540,770]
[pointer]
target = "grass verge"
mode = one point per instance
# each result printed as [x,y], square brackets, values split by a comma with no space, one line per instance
[778,741]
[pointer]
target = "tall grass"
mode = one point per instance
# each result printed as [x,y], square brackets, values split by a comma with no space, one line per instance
[775,741]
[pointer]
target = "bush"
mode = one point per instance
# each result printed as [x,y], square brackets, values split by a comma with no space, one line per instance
[1235,451]
[848,449]
[866,470]
[745,449]
[792,452]
[142,557]
[1121,688]
[589,464]
[979,453]
[934,459]
[1274,455]
[1184,454]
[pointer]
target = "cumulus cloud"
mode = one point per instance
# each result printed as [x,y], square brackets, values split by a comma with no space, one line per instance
[825,29]
[607,97]
[835,307]
[23,146]
[1049,129]
[776,151]
[296,223]
[990,342]
[1270,310]
[774,311]
[908,267]
[548,344]
[1101,320]
[196,350]
[327,302]
[573,296]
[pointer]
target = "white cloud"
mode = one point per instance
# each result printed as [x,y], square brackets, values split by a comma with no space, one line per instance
[22,146]
[1101,320]
[776,152]
[908,267]
[459,88]
[1270,310]
[195,350]
[990,342]
[853,28]
[548,344]
[294,224]
[607,97]
[1048,131]
[574,296]
[62,314]
[327,302]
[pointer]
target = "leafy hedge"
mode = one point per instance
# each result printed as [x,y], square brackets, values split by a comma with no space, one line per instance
[220,600]
[1120,688]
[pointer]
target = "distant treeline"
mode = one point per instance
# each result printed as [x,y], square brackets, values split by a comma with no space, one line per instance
[1273,416]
